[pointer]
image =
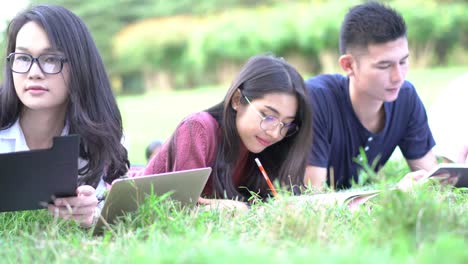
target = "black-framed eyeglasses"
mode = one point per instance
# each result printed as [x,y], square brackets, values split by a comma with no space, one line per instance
[48,63]
[270,123]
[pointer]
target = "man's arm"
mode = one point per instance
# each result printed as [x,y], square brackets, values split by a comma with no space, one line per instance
[419,169]
[315,177]
[427,162]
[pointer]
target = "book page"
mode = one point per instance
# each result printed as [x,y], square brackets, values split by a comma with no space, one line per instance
[352,199]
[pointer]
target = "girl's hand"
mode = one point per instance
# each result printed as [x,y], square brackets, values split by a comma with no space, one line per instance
[80,208]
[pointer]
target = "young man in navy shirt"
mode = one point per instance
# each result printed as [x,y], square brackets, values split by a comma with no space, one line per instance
[373,108]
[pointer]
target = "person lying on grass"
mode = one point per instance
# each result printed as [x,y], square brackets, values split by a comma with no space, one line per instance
[55,84]
[265,114]
[373,108]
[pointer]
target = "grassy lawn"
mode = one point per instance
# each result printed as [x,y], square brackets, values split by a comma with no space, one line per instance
[155,115]
[427,225]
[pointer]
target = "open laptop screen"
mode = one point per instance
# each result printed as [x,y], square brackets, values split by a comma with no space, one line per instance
[127,194]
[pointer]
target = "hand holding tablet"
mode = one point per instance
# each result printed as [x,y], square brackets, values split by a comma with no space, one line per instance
[450,173]
[31,179]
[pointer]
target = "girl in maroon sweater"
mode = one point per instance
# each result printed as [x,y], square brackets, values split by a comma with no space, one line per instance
[265,114]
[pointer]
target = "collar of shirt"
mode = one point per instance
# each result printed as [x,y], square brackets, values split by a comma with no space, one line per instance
[12,139]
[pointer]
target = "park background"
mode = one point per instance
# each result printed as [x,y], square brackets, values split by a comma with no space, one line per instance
[167,59]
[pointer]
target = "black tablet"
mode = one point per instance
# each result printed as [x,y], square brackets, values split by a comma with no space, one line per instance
[458,172]
[28,179]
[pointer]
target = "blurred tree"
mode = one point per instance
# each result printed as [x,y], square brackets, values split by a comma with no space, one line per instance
[106,17]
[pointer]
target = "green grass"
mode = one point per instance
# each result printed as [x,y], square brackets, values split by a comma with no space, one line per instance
[155,115]
[428,225]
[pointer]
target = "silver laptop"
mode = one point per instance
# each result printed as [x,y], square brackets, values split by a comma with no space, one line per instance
[127,194]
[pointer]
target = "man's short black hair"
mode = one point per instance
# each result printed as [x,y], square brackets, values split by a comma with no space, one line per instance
[370,23]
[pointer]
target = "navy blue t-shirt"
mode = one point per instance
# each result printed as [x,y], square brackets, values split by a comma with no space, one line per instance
[338,135]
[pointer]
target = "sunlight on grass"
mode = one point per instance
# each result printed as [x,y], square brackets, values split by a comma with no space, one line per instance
[429,83]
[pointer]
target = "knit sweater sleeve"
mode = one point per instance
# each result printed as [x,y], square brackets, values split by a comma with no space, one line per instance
[195,146]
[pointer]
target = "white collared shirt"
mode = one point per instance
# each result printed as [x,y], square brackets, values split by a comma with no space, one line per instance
[12,140]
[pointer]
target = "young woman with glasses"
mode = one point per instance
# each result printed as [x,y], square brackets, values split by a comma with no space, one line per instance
[265,115]
[55,84]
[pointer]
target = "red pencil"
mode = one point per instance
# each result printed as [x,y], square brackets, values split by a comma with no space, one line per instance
[267,179]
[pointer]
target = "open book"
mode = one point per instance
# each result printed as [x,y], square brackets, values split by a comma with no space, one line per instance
[351,199]
[448,173]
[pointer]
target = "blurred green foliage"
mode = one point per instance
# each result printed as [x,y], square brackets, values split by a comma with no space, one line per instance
[189,43]
[198,48]
[106,17]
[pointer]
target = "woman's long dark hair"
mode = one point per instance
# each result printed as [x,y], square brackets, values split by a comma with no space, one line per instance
[92,109]
[284,161]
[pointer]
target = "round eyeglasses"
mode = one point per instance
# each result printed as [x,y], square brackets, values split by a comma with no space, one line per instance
[270,123]
[48,63]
